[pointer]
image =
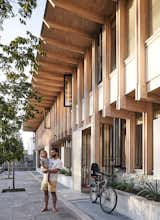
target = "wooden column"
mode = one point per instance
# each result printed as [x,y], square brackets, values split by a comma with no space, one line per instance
[95,119]
[61,114]
[104,67]
[107,67]
[58,117]
[130,144]
[148,139]
[80,80]
[74,98]
[68,117]
[87,72]
[141,30]
[120,51]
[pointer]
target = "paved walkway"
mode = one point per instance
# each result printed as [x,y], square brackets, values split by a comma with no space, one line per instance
[26,205]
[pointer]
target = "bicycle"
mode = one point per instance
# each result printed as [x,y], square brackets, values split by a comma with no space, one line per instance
[100,188]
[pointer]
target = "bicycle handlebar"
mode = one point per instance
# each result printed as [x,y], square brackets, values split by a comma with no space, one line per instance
[102,173]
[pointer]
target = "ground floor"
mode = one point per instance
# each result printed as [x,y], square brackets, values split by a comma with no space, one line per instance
[128,144]
[121,140]
[27,205]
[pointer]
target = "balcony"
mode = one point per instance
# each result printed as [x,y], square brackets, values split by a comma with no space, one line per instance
[90,103]
[77,118]
[83,109]
[100,96]
[113,86]
[152,62]
[130,75]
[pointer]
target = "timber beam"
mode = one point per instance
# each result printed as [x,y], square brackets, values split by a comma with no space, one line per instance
[76,9]
[132,105]
[47,89]
[50,75]
[62,58]
[67,29]
[64,45]
[55,67]
[48,83]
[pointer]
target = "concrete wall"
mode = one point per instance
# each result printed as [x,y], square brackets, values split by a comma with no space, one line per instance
[76,159]
[136,207]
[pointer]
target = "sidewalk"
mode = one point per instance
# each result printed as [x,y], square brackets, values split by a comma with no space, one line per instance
[26,205]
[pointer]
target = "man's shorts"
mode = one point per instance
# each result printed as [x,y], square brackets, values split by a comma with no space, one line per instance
[50,187]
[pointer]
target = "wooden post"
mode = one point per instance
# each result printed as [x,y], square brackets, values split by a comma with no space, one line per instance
[87,73]
[95,119]
[141,30]
[74,98]
[130,144]
[106,66]
[148,139]
[80,80]
[120,51]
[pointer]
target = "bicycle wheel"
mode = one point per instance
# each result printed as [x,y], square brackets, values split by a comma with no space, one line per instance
[108,199]
[93,192]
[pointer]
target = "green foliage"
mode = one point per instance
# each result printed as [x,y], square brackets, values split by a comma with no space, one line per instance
[11,148]
[23,7]
[150,191]
[18,63]
[125,186]
[65,172]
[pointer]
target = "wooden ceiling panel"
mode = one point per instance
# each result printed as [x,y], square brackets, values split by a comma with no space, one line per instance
[50,76]
[68,38]
[58,61]
[53,49]
[58,68]
[59,15]
[53,83]
[59,58]
[50,24]
[103,8]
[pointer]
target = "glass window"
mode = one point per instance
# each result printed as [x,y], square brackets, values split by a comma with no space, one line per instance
[113,45]
[130,27]
[99,58]
[68,90]
[138,141]
[154,16]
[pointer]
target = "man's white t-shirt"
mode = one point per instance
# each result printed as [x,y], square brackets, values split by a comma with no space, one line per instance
[53,164]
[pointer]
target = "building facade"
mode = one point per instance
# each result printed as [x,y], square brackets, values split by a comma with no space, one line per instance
[112,50]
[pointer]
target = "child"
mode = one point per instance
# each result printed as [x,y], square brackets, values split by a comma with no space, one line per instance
[44,161]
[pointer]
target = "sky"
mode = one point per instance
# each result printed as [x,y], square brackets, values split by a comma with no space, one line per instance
[13,28]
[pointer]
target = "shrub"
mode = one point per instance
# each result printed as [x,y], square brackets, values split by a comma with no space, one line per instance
[150,191]
[65,172]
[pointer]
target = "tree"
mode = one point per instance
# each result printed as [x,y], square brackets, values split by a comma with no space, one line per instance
[18,63]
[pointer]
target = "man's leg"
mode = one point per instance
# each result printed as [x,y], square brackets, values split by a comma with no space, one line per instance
[54,201]
[46,198]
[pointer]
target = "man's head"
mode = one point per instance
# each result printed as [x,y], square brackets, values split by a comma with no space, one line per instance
[54,152]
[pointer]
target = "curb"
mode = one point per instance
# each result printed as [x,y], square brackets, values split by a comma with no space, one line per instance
[69,205]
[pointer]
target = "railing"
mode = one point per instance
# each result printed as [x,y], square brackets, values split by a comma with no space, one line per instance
[90,103]
[152,61]
[77,118]
[113,86]
[130,74]
[100,96]
[83,109]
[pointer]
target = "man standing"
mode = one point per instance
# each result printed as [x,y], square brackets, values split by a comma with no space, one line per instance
[55,164]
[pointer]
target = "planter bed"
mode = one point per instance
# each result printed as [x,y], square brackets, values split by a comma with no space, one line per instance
[137,207]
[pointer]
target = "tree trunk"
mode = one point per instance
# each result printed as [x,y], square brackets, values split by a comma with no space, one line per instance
[9,169]
[13,182]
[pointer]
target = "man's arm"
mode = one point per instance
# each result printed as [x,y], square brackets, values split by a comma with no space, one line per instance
[56,170]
